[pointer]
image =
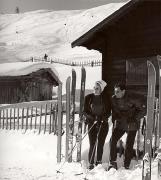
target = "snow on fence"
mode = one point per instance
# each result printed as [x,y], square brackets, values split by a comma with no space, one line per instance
[91,63]
[38,115]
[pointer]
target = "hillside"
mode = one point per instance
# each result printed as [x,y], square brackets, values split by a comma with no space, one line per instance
[38,32]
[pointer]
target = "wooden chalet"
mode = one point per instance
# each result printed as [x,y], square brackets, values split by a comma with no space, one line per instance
[23,82]
[127,38]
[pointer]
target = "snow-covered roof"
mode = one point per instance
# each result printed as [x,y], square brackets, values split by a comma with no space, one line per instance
[116,11]
[25,68]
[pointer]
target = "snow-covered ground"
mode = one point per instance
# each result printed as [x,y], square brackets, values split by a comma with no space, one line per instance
[32,156]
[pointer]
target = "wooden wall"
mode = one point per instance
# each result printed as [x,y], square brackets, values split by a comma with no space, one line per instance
[136,36]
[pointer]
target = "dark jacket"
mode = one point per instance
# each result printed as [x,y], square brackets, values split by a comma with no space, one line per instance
[89,115]
[127,112]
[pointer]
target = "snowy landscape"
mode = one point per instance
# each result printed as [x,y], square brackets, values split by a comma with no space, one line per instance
[38,32]
[28,155]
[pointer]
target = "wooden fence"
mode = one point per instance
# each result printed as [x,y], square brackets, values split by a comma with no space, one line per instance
[92,63]
[38,115]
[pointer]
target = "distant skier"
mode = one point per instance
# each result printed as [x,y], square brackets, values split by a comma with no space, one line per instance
[127,111]
[45,57]
[97,109]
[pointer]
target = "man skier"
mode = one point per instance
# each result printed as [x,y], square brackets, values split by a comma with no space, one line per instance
[126,114]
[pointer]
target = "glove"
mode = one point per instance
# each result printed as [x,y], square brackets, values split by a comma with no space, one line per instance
[88,118]
[105,119]
[98,124]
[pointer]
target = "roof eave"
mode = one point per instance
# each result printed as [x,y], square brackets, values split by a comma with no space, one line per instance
[81,41]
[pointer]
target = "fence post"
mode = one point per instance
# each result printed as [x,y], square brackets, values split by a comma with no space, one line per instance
[40,118]
[10,118]
[18,113]
[54,120]
[50,118]
[59,122]
[0,119]
[3,119]
[14,114]
[45,118]
[7,119]
[22,118]
[92,63]
[36,118]
[27,114]
[31,117]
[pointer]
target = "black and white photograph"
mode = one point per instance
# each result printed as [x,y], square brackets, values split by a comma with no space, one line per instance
[80,89]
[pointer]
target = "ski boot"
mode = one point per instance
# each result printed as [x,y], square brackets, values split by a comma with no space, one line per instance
[98,162]
[113,164]
[91,166]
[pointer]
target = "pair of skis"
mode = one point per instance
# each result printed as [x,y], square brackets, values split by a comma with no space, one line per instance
[70,114]
[146,173]
[158,158]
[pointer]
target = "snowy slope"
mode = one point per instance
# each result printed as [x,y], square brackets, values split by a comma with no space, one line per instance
[39,32]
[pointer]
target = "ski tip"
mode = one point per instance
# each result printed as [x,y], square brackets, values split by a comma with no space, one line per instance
[83,70]
[73,71]
[150,65]
[159,57]
[68,79]
[159,60]
[82,67]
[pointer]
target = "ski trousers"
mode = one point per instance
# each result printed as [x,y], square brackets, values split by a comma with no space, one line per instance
[116,135]
[100,141]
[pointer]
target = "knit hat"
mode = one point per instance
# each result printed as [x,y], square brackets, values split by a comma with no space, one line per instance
[102,84]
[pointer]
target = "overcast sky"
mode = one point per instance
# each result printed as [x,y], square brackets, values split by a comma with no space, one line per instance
[9,6]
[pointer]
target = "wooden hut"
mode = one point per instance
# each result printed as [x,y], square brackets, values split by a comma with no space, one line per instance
[22,81]
[127,38]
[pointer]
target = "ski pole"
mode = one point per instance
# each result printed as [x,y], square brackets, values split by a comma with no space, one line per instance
[82,138]
[113,127]
[87,131]
[58,171]
[143,132]
[137,144]
[94,147]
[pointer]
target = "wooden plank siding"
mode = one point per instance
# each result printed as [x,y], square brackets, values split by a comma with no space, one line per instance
[33,87]
[133,72]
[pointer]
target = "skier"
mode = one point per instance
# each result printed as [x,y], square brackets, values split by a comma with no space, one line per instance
[45,57]
[126,114]
[97,109]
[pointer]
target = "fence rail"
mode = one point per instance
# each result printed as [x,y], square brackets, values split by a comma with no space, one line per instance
[92,63]
[39,115]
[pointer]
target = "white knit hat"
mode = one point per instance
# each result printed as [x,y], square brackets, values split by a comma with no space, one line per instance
[102,84]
